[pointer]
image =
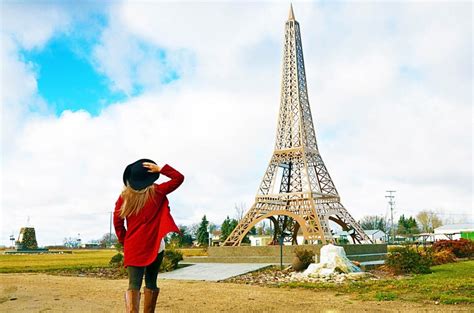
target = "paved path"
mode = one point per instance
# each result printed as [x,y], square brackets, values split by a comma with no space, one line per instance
[212,271]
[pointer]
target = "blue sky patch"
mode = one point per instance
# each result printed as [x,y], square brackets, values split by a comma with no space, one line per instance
[66,79]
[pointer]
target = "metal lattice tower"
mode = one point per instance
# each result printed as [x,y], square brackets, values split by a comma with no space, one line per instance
[306,198]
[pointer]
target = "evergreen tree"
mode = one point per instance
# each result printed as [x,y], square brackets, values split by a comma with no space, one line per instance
[407,226]
[225,231]
[202,233]
[184,239]
[233,224]
[227,227]
[412,226]
[402,222]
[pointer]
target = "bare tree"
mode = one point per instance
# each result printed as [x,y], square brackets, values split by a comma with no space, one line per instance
[373,222]
[240,210]
[108,240]
[428,221]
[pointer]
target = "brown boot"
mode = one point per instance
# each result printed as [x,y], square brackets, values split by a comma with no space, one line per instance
[132,301]
[150,299]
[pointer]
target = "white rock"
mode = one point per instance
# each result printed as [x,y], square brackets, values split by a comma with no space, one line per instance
[333,261]
[326,272]
[313,268]
[356,276]
[329,252]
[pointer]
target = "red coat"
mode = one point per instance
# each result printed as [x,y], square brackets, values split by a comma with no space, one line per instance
[142,237]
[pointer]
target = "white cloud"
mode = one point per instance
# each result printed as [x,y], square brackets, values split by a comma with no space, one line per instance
[18,78]
[377,129]
[21,22]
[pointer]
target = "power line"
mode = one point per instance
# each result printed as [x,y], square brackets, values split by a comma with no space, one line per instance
[434,211]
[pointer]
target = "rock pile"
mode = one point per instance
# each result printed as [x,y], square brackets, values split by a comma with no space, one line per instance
[274,276]
[334,267]
[268,276]
[334,277]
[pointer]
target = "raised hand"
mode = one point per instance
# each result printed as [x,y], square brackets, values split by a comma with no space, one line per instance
[152,167]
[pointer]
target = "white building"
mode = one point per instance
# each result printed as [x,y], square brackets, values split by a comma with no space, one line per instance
[265,240]
[216,237]
[260,240]
[452,231]
[376,235]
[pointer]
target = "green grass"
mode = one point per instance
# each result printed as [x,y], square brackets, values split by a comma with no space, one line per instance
[51,262]
[449,284]
[78,259]
[385,296]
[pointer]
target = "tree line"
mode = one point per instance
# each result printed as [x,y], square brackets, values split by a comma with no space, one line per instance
[199,233]
[424,222]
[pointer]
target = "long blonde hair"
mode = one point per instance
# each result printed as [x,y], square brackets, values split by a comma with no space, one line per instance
[134,200]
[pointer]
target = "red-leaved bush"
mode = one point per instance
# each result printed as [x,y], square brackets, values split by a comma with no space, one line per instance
[443,257]
[461,248]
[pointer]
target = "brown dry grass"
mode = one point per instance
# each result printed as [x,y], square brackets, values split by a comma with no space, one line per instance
[47,293]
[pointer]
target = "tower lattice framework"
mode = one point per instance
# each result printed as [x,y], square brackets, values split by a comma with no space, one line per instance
[306,198]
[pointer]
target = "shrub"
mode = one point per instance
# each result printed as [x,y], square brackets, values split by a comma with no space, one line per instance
[405,260]
[117,260]
[443,257]
[306,256]
[119,247]
[170,260]
[462,248]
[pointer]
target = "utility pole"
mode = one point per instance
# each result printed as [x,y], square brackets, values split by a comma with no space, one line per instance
[110,230]
[391,202]
[209,232]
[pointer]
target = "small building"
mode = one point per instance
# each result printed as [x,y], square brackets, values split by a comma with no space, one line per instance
[341,237]
[260,240]
[265,240]
[425,238]
[216,237]
[90,245]
[453,231]
[376,235]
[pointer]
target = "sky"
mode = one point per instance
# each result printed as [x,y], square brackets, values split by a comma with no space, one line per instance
[88,87]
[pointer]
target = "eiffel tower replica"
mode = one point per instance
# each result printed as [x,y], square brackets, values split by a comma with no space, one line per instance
[305,198]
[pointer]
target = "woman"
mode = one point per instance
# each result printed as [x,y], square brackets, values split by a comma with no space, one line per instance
[144,206]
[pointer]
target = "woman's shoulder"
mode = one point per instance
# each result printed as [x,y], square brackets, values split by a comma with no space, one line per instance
[157,189]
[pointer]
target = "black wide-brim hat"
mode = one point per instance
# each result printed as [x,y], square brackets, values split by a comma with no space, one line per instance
[137,176]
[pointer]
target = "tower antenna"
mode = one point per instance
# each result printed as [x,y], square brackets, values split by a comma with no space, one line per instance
[391,203]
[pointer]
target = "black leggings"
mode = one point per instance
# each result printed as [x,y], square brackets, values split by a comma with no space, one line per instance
[135,274]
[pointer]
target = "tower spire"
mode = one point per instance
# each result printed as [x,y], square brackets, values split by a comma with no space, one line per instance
[291,16]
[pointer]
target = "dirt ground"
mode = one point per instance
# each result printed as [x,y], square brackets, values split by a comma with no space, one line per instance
[47,293]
